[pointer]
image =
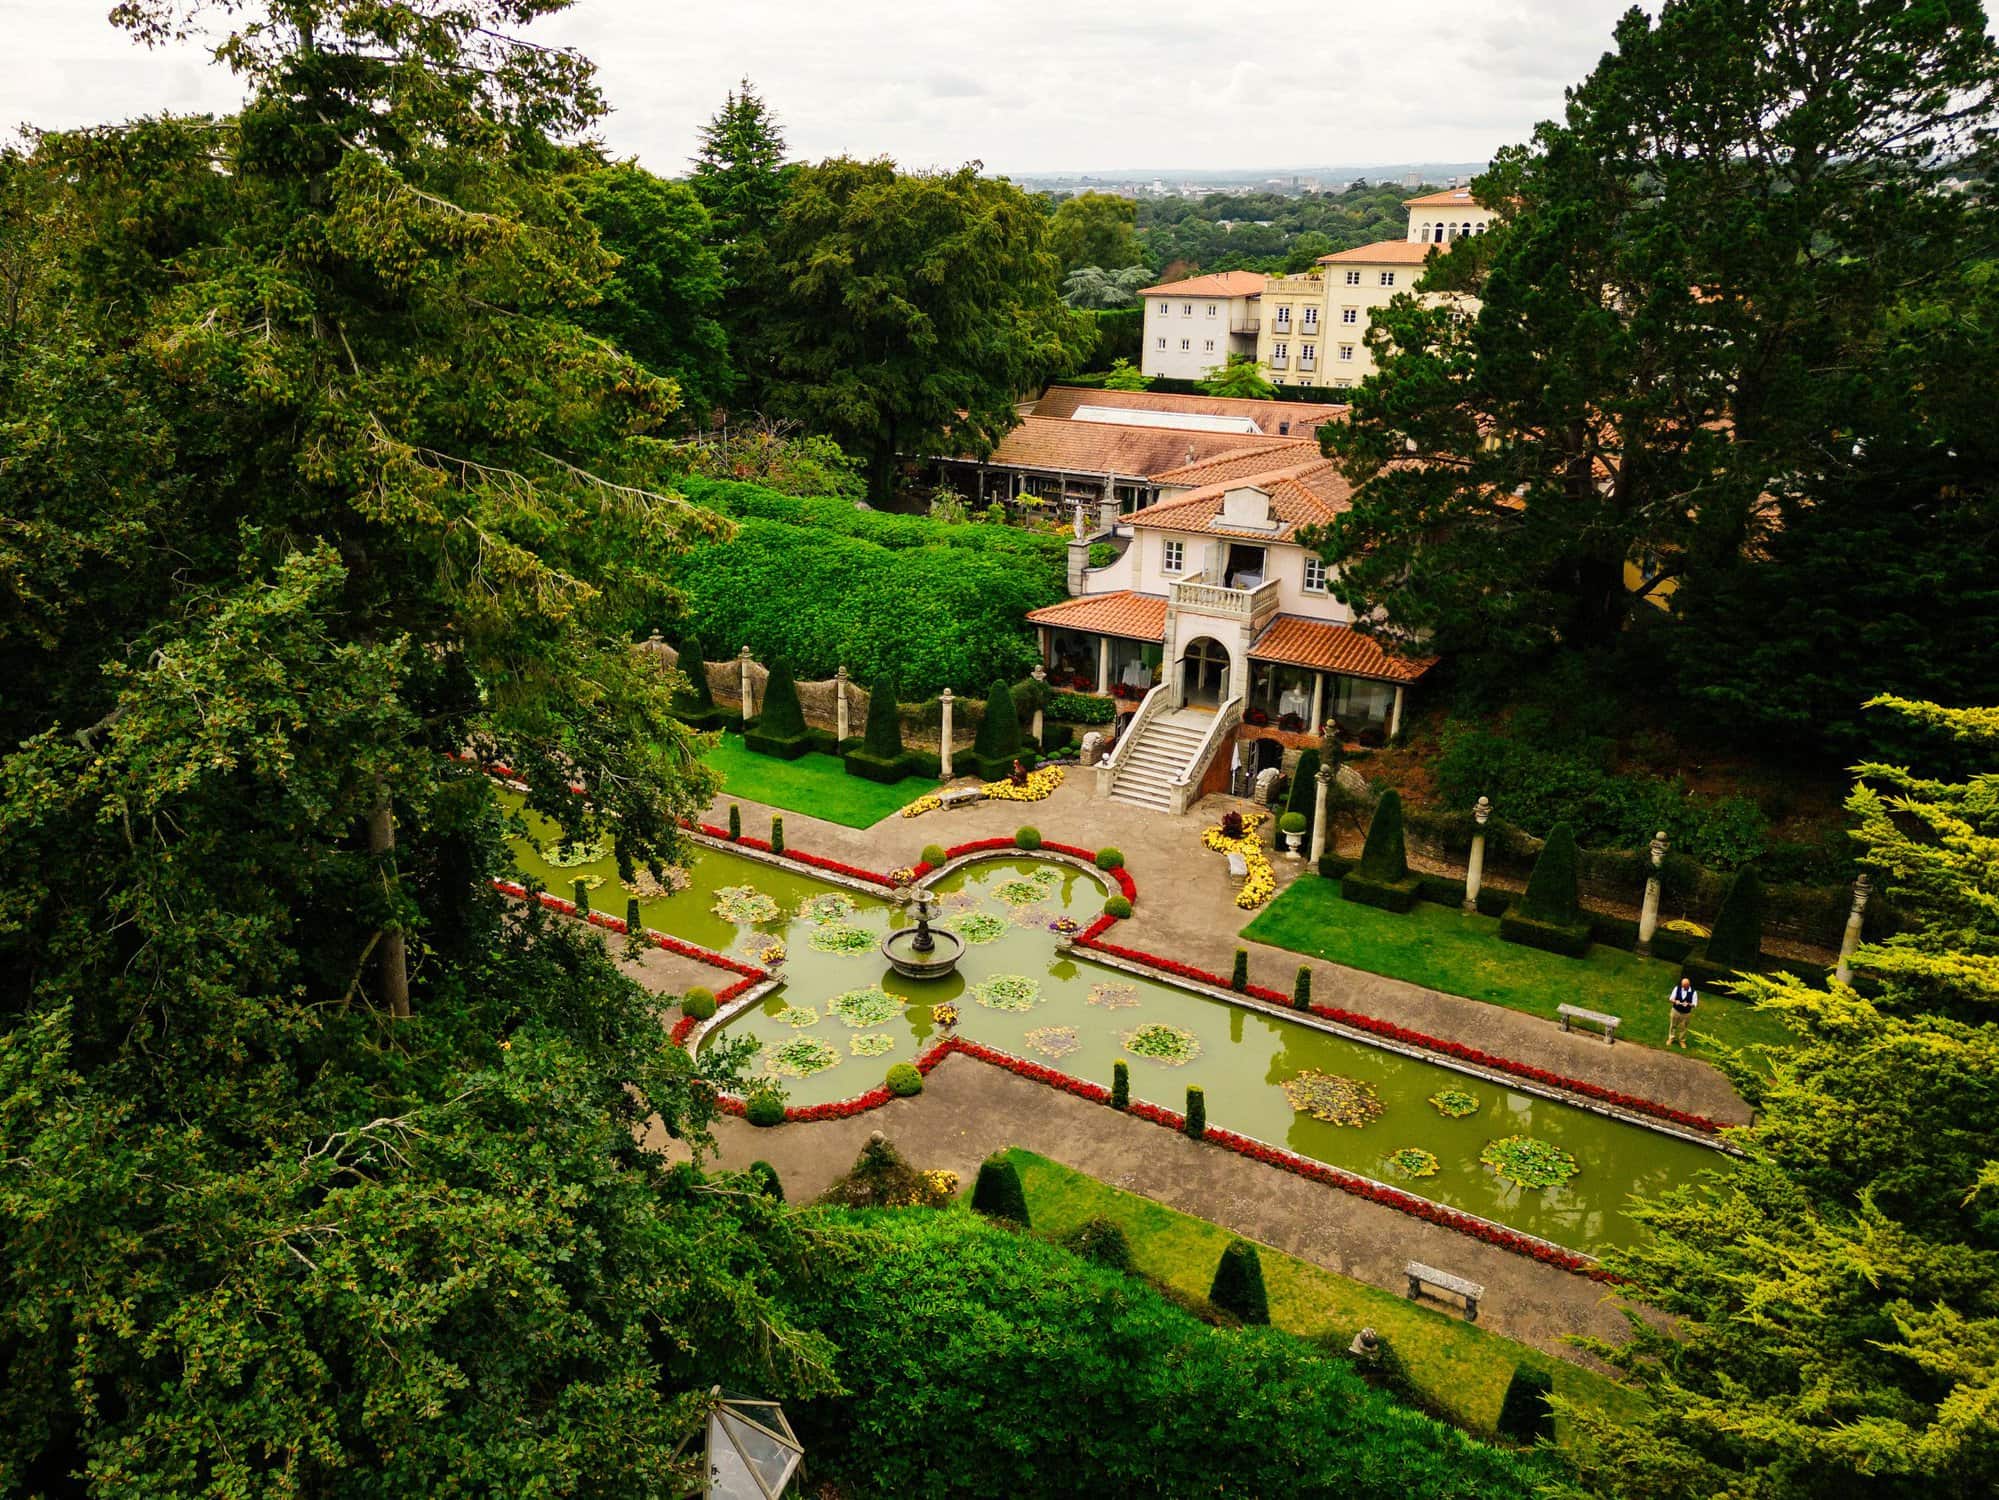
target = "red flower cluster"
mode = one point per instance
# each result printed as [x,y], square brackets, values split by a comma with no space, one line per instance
[1082,1088]
[1388,1029]
[678,1036]
[1074,851]
[1125,883]
[977,846]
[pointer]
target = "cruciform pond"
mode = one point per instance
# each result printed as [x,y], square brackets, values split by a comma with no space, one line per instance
[842,1017]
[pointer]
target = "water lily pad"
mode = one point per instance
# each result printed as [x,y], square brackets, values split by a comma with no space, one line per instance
[1333,1098]
[1112,996]
[648,887]
[1175,1046]
[1021,892]
[800,1057]
[569,856]
[744,905]
[1454,1104]
[979,926]
[1007,992]
[871,1044]
[1413,1161]
[797,1016]
[1054,1041]
[1528,1162]
[869,1007]
[842,937]
[832,906]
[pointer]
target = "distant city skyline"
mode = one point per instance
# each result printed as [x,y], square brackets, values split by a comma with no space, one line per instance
[1032,88]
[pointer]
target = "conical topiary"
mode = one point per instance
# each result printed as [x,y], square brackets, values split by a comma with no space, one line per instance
[783,717]
[883,735]
[999,729]
[1304,789]
[1551,888]
[694,666]
[998,1194]
[1524,1416]
[1385,857]
[1238,1284]
[1737,939]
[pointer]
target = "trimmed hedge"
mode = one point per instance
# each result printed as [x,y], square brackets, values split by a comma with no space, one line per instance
[764,1108]
[1102,1241]
[871,767]
[1238,1285]
[1081,708]
[1197,1112]
[1736,941]
[998,1194]
[1388,895]
[1117,906]
[1385,858]
[998,736]
[698,1003]
[1551,888]
[1569,939]
[884,529]
[780,729]
[1304,791]
[1120,1084]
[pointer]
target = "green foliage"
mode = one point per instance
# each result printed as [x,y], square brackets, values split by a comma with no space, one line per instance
[1117,906]
[1027,838]
[1271,232]
[1096,229]
[1093,289]
[998,736]
[764,1175]
[1524,1414]
[1832,1323]
[1109,858]
[1120,1084]
[883,735]
[1238,1285]
[1385,857]
[779,716]
[1239,971]
[1551,887]
[997,1193]
[1292,822]
[764,1107]
[1125,376]
[1303,796]
[1301,988]
[995,1366]
[1038,552]
[904,1081]
[1081,708]
[934,616]
[1736,940]
[1102,1241]
[934,856]
[777,835]
[912,310]
[693,665]
[1241,377]
[735,821]
[698,1003]
[1196,1124]
[766,458]
[581,896]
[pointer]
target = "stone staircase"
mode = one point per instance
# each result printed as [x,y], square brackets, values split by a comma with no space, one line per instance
[1159,757]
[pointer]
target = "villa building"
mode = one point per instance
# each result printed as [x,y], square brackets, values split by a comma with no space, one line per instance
[1193,326]
[1222,626]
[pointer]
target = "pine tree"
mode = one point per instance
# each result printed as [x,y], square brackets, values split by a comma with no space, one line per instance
[1238,1285]
[1385,856]
[739,169]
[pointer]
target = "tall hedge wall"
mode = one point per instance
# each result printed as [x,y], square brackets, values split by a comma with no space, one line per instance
[935,616]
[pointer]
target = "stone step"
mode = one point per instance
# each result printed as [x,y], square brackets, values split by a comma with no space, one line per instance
[1158,803]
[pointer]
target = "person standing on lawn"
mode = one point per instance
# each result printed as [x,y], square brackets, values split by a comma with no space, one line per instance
[1683,999]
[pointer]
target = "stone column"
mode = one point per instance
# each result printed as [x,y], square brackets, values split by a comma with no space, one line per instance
[1103,664]
[1325,785]
[1648,914]
[1040,681]
[1850,939]
[944,739]
[840,719]
[1475,865]
[1395,715]
[743,668]
[1318,724]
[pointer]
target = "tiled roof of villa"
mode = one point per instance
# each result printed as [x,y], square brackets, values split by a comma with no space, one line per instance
[1448,198]
[1053,443]
[1241,463]
[1302,418]
[1307,494]
[1318,646]
[1133,616]
[1215,284]
[1383,253]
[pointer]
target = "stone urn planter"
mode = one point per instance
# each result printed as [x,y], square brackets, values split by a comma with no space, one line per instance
[1292,826]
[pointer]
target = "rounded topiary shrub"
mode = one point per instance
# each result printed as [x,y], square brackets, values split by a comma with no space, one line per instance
[998,1194]
[1110,859]
[698,1003]
[764,1176]
[1102,1241]
[1117,906]
[1027,838]
[904,1081]
[764,1108]
[1291,822]
[1238,1285]
[934,855]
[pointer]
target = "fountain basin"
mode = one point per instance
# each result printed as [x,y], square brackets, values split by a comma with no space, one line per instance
[912,962]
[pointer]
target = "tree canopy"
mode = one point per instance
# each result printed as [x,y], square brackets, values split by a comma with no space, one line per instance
[1094,229]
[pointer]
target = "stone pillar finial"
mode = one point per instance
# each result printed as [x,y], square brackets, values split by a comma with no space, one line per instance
[1658,848]
[1322,784]
[1481,810]
[1040,675]
[1862,889]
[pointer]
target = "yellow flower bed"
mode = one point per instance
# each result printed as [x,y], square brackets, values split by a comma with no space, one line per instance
[922,805]
[1040,784]
[1262,882]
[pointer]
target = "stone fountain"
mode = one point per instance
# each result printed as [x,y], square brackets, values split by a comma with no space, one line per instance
[919,952]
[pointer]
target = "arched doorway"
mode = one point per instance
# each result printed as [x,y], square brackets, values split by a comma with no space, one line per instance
[1204,673]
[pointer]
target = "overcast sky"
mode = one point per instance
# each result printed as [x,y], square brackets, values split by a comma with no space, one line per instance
[1022,85]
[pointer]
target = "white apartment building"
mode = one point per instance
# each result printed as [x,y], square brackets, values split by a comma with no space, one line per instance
[1193,326]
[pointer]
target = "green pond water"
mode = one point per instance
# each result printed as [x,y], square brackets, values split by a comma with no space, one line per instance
[1082,1017]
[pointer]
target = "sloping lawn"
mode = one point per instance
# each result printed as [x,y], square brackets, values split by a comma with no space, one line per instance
[1457,1365]
[815,784]
[1462,955]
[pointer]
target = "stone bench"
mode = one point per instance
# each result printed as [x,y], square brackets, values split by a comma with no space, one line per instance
[1420,1274]
[961,796]
[1609,1023]
[1238,865]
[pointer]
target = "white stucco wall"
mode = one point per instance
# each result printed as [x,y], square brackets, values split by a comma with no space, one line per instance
[1199,329]
[1143,569]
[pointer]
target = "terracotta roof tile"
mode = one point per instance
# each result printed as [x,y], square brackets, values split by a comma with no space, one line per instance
[1135,617]
[1215,284]
[1302,417]
[1448,198]
[1383,253]
[1051,443]
[1321,647]
[1240,463]
[1307,494]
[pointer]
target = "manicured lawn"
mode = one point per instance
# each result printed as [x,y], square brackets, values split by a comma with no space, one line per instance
[1457,1364]
[814,784]
[1462,955]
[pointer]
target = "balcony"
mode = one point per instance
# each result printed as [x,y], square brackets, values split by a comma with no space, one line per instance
[1201,596]
[1280,361]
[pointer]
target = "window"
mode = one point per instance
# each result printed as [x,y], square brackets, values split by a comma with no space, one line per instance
[1315,575]
[1280,352]
[1186,309]
[1211,309]
[1388,278]
[1164,309]
[1346,351]
[1349,315]
[1186,343]
[1353,278]
[1311,318]
[1162,343]
[1210,346]
[1308,352]
[1176,557]
[1283,317]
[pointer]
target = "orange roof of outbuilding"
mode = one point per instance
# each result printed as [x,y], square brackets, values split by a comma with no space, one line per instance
[1321,647]
[1214,284]
[1383,252]
[1241,463]
[1270,416]
[1307,494]
[1132,616]
[1448,198]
